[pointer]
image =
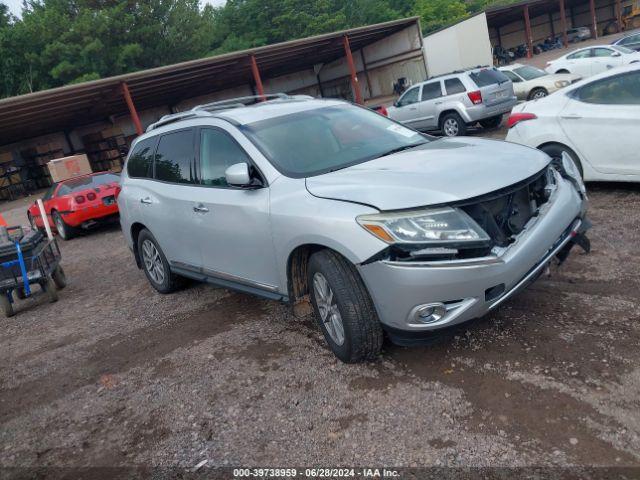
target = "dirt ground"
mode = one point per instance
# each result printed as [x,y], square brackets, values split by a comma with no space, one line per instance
[115,374]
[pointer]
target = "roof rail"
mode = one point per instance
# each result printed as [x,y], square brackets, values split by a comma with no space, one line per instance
[208,108]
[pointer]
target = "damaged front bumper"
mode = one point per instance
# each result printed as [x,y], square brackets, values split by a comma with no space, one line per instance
[415,298]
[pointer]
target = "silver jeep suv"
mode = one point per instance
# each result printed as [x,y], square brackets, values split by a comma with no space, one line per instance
[452,102]
[382,228]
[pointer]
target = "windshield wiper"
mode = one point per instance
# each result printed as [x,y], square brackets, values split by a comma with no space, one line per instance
[400,149]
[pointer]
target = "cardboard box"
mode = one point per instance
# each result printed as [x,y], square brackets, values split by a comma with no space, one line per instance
[69,167]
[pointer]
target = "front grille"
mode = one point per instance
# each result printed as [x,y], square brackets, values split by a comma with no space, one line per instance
[504,214]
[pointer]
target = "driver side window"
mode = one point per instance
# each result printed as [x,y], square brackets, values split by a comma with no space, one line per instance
[602,52]
[218,151]
[411,96]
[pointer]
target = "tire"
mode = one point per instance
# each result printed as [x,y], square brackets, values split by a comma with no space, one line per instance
[65,231]
[555,150]
[7,306]
[537,93]
[59,278]
[155,264]
[493,122]
[345,302]
[563,70]
[49,287]
[452,125]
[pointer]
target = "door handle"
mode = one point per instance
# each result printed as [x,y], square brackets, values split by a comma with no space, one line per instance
[200,208]
[413,108]
[146,200]
[571,117]
[439,103]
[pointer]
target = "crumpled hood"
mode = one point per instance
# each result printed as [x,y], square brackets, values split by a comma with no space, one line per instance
[442,171]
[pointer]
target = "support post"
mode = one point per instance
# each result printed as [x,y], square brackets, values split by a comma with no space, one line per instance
[553,30]
[527,29]
[563,23]
[618,16]
[256,77]
[132,108]
[594,21]
[352,69]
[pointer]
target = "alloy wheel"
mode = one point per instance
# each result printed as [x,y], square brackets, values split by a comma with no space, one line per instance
[329,313]
[60,226]
[451,127]
[153,261]
[539,94]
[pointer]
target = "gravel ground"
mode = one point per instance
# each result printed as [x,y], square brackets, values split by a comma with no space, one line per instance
[115,374]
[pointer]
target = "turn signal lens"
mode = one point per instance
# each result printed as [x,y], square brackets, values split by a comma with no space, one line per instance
[79,199]
[91,196]
[379,232]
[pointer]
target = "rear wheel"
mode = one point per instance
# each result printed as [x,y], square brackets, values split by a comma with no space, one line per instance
[493,122]
[155,264]
[343,308]
[59,277]
[452,125]
[49,287]
[65,231]
[555,151]
[563,70]
[7,306]
[538,93]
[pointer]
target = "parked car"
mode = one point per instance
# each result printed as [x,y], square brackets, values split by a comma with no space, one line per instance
[78,203]
[595,121]
[593,60]
[578,34]
[381,227]
[630,41]
[452,102]
[530,83]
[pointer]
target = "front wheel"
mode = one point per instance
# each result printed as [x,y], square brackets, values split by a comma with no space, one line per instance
[7,306]
[537,93]
[452,125]
[343,308]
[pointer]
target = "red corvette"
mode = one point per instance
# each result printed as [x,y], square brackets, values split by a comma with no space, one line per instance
[79,202]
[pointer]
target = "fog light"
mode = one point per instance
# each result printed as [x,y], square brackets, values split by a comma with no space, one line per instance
[430,313]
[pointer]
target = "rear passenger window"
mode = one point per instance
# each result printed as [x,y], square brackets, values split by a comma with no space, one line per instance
[581,54]
[175,158]
[140,160]
[218,151]
[431,91]
[453,86]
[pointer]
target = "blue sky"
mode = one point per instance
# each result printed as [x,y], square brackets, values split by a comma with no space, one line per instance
[16,5]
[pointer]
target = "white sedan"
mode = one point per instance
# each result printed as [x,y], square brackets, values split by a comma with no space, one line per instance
[530,83]
[593,60]
[595,121]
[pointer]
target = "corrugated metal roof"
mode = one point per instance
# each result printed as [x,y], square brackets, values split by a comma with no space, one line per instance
[503,15]
[47,111]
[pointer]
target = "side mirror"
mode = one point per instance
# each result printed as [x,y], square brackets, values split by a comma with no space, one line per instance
[238,175]
[616,54]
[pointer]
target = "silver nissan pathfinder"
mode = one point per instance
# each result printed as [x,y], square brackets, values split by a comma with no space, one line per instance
[382,228]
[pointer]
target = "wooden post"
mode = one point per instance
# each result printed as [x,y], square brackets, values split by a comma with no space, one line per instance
[618,16]
[553,30]
[563,23]
[132,108]
[527,29]
[256,77]
[352,68]
[594,21]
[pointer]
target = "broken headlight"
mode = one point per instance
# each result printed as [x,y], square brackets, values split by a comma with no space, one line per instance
[570,169]
[439,226]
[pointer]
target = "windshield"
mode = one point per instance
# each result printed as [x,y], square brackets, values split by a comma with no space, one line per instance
[325,139]
[529,73]
[488,76]
[622,49]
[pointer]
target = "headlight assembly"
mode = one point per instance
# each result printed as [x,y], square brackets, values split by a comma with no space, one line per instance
[438,226]
[562,83]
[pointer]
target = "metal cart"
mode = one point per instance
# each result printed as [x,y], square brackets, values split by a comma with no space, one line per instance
[33,259]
